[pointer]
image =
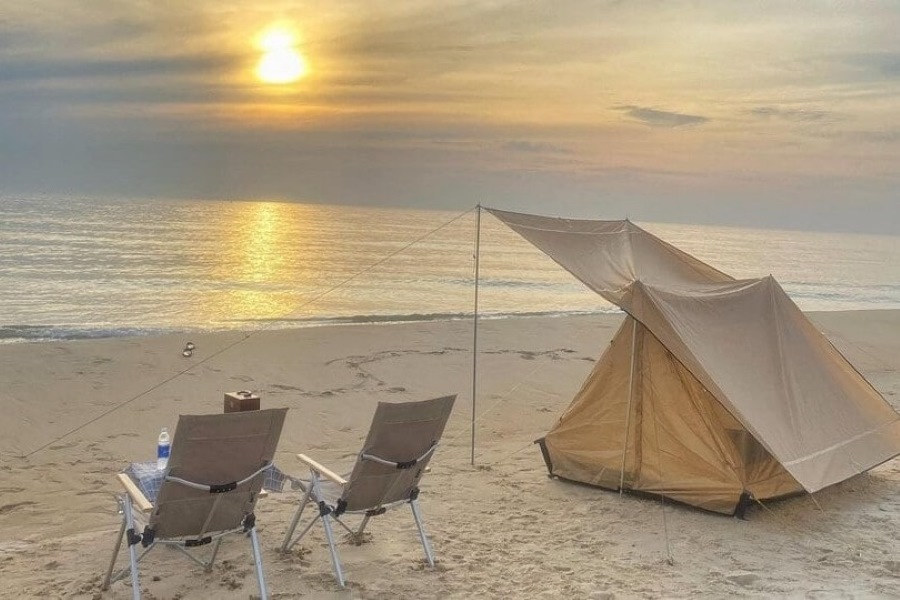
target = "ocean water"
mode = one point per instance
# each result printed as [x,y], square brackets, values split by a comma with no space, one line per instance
[80,268]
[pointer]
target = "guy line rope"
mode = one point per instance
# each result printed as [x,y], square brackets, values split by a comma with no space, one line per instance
[247,335]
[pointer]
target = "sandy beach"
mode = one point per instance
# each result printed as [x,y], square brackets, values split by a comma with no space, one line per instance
[500,529]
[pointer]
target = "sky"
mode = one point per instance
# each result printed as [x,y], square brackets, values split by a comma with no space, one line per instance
[776,114]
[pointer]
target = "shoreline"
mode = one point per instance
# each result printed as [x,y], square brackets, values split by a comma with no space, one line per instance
[310,322]
[286,323]
[500,529]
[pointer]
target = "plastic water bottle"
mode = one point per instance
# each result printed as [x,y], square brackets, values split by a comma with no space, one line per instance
[164,444]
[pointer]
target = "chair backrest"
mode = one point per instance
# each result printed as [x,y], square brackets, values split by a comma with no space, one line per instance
[400,433]
[215,450]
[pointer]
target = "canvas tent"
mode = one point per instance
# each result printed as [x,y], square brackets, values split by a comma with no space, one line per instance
[714,390]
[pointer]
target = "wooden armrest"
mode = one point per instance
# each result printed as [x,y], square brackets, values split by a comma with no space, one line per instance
[326,473]
[137,496]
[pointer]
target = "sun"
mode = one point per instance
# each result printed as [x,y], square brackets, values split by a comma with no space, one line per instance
[281,62]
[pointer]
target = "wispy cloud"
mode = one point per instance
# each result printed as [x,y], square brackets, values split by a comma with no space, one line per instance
[535,147]
[891,136]
[45,69]
[660,118]
[881,64]
[801,115]
[883,138]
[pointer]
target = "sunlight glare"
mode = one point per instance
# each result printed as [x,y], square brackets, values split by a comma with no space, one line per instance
[277,39]
[281,63]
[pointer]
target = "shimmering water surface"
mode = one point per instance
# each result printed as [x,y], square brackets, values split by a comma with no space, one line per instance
[72,268]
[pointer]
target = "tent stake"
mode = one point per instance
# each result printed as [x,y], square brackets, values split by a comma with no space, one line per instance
[630,401]
[475,324]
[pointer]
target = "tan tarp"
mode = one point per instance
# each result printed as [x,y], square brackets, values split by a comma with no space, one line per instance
[712,387]
[608,256]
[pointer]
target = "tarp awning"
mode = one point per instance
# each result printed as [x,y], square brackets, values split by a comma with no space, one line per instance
[608,256]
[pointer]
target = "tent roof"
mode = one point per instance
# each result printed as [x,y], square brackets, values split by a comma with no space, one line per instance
[753,349]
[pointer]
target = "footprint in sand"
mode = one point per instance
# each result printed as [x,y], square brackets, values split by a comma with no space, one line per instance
[64,446]
[892,567]
[7,508]
[118,435]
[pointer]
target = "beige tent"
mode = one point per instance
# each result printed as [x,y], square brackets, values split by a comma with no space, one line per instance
[714,390]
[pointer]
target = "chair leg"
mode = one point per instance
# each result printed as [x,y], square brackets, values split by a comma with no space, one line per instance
[414,504]
[257,558]
[115,554]
[287,544]
[212,557]
[326,523]
[335,559]
[362,527]
[132,553]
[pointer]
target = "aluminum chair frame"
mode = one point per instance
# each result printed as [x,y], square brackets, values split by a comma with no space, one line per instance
[328,511]
[134,507]
[147,540]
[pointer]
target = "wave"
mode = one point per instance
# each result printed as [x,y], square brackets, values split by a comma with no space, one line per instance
[840,296]
[416,317]
[44,333]
[49,333]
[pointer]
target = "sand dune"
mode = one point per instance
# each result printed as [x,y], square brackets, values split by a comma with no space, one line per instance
[500,529]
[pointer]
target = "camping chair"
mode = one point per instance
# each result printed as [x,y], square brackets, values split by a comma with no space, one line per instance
[214,477]
[401,441]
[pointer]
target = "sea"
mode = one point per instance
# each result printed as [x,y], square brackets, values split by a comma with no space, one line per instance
[76,268]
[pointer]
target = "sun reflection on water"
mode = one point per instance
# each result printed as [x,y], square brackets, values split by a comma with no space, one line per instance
[265,262]
[156,265]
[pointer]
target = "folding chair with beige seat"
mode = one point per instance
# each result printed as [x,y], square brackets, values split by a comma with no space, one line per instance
[400,443]
[214,477]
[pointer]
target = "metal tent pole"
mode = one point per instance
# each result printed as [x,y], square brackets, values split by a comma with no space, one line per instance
[475,323]
[630,400]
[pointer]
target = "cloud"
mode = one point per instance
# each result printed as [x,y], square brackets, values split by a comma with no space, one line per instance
[432,102]
[660,118]
[887,136]
[884,64]
[529,147]
[38,70]
[799,115]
